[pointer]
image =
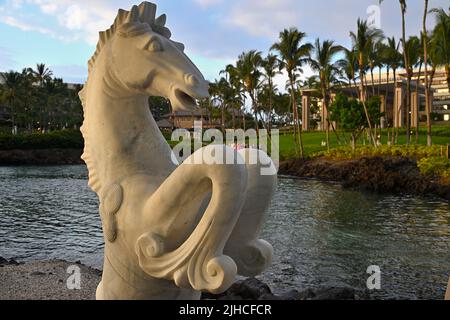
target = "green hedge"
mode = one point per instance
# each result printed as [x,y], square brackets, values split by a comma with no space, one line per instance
[66,139]
[435,166]
[412,151]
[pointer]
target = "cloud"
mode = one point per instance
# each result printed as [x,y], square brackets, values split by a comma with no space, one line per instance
[77,20]
[208,3]
[263,18]
[13,22]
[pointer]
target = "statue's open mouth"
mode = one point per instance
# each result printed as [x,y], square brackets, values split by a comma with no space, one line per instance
[185,99]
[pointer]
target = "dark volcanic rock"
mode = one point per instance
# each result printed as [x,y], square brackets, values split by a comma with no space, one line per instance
[253,289]
[396,175]
[5,262]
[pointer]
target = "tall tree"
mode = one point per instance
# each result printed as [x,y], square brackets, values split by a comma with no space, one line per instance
[12,82]
[406,63]
[364,37]
[271,69]
[425,61]
[349,65]
[293,54]
[441,41]
[323,62]
[248,69]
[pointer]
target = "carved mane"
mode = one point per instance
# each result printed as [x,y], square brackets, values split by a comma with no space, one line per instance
[138,18]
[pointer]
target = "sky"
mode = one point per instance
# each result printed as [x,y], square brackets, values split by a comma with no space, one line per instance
[63,33]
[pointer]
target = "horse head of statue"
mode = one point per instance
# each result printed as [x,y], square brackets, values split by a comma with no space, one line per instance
[142,59]
[170,231]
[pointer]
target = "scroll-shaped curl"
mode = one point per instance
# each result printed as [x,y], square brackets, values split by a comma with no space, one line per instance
[152,244]
[195,264]
[253,258]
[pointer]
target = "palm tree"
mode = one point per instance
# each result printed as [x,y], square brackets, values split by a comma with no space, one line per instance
[293,54]
[403,7]
[412,53]
[441,41]
[218,90]
[362,40]
[248,70]
[234,78]
[349,66]
[323,63]
[373,58]
[42,73]
[271,69]
[425,61]
[12,84]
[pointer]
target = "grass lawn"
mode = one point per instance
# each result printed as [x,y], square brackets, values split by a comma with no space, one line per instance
[312,141]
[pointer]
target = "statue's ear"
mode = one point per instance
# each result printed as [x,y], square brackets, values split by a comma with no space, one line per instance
[132,29]
[179,45]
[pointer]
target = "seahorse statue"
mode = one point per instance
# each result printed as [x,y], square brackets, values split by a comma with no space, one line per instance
[171,231]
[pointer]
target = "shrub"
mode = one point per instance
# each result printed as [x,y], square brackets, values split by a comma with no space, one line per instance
[435,166]
[65,139]
[412,151]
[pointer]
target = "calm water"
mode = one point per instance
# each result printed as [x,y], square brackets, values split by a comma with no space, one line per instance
[322,235]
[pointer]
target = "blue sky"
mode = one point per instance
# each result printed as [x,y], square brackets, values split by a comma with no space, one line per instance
[63,33]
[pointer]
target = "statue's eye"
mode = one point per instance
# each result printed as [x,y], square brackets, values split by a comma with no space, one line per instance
[154,45]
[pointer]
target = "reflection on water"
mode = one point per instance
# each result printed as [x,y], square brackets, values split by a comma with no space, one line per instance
[322,235]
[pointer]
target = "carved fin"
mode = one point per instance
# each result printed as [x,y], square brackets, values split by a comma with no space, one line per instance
[147,12]
[161,20]
[110,205]
[133,16]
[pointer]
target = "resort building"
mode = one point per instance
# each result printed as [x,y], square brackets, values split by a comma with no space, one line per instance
[186,120]
[393,99]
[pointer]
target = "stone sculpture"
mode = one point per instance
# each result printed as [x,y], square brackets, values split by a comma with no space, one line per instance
[170,231]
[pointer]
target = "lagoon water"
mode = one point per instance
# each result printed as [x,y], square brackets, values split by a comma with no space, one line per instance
[322,235]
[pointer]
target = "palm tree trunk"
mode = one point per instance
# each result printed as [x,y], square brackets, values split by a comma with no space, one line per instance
[255,112]
[408,109]
[297,132]
[222,119]
[447,72]
[379,80]
[363,100]
[373,82]
[396,113]
[408,80]
[270,105]
[425,61]
[417,122]
[386,95]
[325,106]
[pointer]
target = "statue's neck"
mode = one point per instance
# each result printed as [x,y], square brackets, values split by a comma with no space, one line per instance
[123,137]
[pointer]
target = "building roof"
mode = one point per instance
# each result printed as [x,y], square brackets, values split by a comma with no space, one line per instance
[164,123]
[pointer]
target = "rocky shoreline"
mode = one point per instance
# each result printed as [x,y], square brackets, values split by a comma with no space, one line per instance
[40,157]
[385,175]
[47,280]
[376,174]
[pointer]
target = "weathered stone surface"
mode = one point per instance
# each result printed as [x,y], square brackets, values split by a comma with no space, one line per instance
[195,224]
